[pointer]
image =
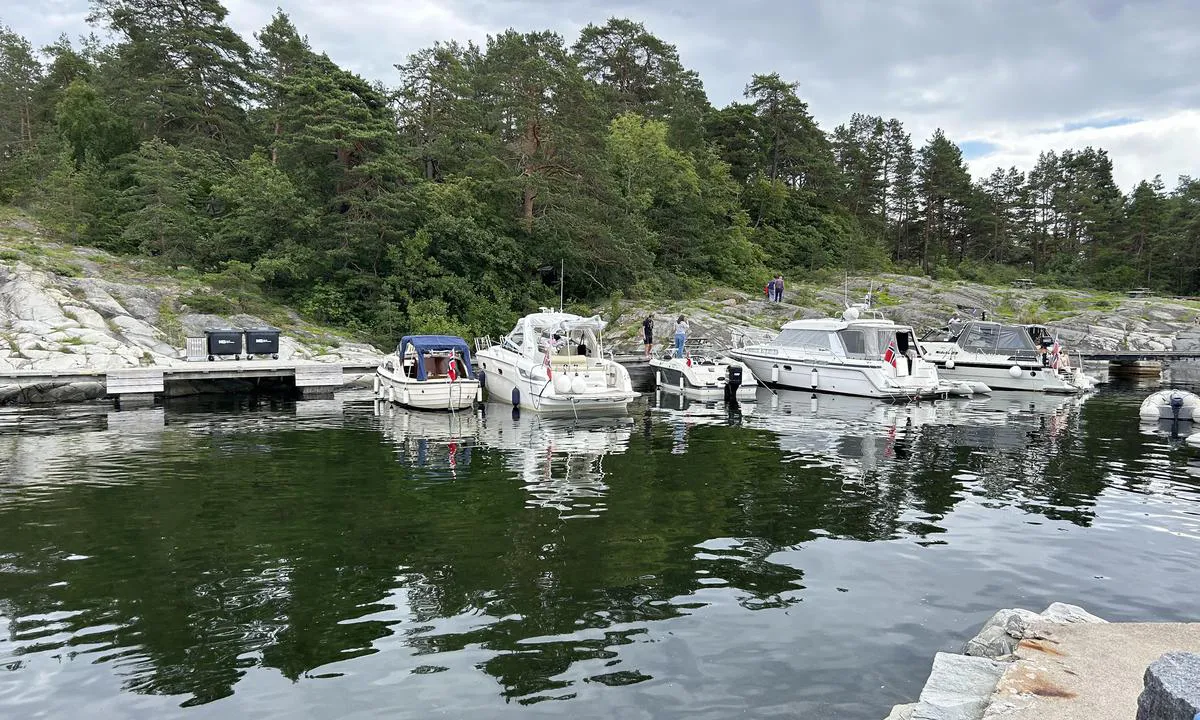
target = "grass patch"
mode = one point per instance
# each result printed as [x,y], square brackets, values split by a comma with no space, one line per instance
[168,322]
[883,299]
[71,341]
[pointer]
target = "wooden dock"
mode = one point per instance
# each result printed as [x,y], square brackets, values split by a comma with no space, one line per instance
[139,386]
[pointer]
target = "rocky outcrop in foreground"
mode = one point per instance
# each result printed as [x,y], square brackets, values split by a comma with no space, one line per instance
[1061,664]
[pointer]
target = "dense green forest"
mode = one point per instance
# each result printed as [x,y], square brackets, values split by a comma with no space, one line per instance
[447,198]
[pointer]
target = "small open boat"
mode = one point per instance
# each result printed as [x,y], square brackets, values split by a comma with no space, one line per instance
[428,372]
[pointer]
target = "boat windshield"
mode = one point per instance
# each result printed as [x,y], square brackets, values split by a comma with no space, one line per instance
[816,340]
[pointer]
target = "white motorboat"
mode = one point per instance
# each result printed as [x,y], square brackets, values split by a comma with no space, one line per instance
[551,362]
[1005,357]
[428,372]
[868,357]
[702,374]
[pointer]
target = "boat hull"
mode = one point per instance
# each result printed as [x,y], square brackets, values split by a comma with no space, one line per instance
[1033,378]
[434,394]
[699,382]
[506,385]
[839,379]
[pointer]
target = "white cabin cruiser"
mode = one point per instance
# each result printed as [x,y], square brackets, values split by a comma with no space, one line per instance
[702,374]
[1005,357]
[551,363]
[428,372]
[869,357]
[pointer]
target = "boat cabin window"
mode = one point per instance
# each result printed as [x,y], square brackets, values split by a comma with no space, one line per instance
[872,343]
[515,340]
[817,340]
[855,342]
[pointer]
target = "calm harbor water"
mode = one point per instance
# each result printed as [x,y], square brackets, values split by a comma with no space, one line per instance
[335,559]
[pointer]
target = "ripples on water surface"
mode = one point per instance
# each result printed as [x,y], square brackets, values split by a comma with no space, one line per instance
[799,558]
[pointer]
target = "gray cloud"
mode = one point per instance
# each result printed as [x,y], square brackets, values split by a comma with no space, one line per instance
[994,71]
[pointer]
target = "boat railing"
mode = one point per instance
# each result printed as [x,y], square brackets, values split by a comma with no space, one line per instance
[483,343]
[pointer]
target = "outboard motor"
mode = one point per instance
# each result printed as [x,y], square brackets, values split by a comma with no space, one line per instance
[1176,406]
[733,381]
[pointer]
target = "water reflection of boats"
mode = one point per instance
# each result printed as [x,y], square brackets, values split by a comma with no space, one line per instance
[843,428]
[560,460]
[429,440]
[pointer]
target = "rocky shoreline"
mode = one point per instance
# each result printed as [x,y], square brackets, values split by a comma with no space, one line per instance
[1064,663]
[52,323]
[1086,321]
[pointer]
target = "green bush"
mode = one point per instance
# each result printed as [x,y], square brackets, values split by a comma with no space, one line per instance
[1056,301]
[208,304]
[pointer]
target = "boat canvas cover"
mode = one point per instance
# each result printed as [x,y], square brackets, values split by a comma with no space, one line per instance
[425,344]
[996,339]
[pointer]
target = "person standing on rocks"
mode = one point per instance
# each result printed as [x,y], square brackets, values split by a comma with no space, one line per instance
[648,334]
[779,288]
[769,290]
[681,332]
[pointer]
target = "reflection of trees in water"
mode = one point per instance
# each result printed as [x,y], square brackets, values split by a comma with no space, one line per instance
[198,570]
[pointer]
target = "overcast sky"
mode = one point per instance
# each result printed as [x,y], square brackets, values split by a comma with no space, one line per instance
[1004,78]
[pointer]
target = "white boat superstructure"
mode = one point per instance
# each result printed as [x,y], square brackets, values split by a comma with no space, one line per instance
[428,372]
[703,374]
[1005,357]
[551,362]
[867,357]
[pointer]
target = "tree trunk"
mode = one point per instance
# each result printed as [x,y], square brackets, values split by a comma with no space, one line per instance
[527,212]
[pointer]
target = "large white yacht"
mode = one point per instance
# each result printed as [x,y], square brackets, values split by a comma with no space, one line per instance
[551,362]
[1006,357]
[868,357]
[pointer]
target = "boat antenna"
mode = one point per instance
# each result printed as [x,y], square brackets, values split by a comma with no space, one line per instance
[846,289]
[562,266]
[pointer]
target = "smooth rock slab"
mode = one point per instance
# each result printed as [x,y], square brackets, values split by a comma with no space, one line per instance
[959,688]
[1172,688]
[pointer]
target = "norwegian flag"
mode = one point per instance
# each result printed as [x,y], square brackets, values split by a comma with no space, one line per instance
[892,352]
[689,362]
[452,373]
[546,364]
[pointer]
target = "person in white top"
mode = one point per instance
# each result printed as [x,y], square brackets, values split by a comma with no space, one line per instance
[681,332]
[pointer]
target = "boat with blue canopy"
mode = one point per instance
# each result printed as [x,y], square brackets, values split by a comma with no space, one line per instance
[429,372]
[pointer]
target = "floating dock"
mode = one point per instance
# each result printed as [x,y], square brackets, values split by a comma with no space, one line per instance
[130,387]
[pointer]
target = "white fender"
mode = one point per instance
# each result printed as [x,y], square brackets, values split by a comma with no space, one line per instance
[774,373]
[391,394]
[376,385]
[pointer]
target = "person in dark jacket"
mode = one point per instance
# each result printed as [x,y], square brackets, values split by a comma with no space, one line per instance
[648,333]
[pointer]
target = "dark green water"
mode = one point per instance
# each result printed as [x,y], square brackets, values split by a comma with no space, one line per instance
[318,560]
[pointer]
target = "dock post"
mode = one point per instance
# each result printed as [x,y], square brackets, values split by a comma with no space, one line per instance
[134,387]
[318,380]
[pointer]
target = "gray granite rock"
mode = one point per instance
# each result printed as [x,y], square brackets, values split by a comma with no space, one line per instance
[1172,688]
[959,688]
[902,712]
[1064,614]
[1000,635]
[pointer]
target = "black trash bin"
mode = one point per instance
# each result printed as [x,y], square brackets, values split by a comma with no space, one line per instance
[262,341]
[223,342]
